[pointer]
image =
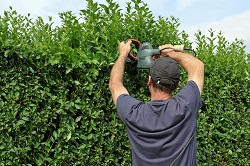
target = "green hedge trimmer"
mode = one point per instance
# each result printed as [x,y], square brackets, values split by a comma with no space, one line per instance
[147,54]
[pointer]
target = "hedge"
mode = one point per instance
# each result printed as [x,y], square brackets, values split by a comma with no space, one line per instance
[55,105]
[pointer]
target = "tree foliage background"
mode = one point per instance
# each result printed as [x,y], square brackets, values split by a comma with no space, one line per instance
[55,106]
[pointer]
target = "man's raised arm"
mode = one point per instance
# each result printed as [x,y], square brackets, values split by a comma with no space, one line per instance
[193,66]
[116,76]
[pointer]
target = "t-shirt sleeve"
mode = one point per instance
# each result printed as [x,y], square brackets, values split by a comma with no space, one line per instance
[125,104]
[190,95]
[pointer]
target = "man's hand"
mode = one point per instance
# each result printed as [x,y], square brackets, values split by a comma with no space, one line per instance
[167,49]
[124,48]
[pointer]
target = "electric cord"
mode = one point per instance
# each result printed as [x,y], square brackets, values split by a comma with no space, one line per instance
[189,49]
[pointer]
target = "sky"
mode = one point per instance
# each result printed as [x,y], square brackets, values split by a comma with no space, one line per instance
[232,17]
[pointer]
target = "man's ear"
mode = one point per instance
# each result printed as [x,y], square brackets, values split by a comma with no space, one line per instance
[149,80]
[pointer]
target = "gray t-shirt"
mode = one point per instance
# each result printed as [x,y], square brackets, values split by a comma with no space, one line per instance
[162,131]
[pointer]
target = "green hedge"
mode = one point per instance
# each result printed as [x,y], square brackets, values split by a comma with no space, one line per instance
[55,105]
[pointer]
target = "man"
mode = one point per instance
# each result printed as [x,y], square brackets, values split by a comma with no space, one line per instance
[162,131]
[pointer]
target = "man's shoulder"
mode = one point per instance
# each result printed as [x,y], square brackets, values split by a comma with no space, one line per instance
[189,97]
[126,98]
[126,104]
[191,85]
[190,91]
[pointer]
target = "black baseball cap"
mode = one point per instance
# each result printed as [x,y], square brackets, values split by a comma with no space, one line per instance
[165,71]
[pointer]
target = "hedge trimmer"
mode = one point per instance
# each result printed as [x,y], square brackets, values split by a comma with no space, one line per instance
[147,54]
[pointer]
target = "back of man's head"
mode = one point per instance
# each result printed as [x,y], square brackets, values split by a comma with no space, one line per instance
[165,74]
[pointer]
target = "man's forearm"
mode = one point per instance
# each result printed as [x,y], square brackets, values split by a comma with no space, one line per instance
[117,71]
[187,61]
[116,76]
[193,66]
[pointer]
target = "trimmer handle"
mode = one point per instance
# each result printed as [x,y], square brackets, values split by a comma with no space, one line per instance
[137,44]
[180,48]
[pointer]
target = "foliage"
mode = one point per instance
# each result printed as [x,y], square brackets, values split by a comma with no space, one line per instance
[55,106]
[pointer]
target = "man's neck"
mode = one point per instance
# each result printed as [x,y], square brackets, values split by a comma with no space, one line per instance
[160,95]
